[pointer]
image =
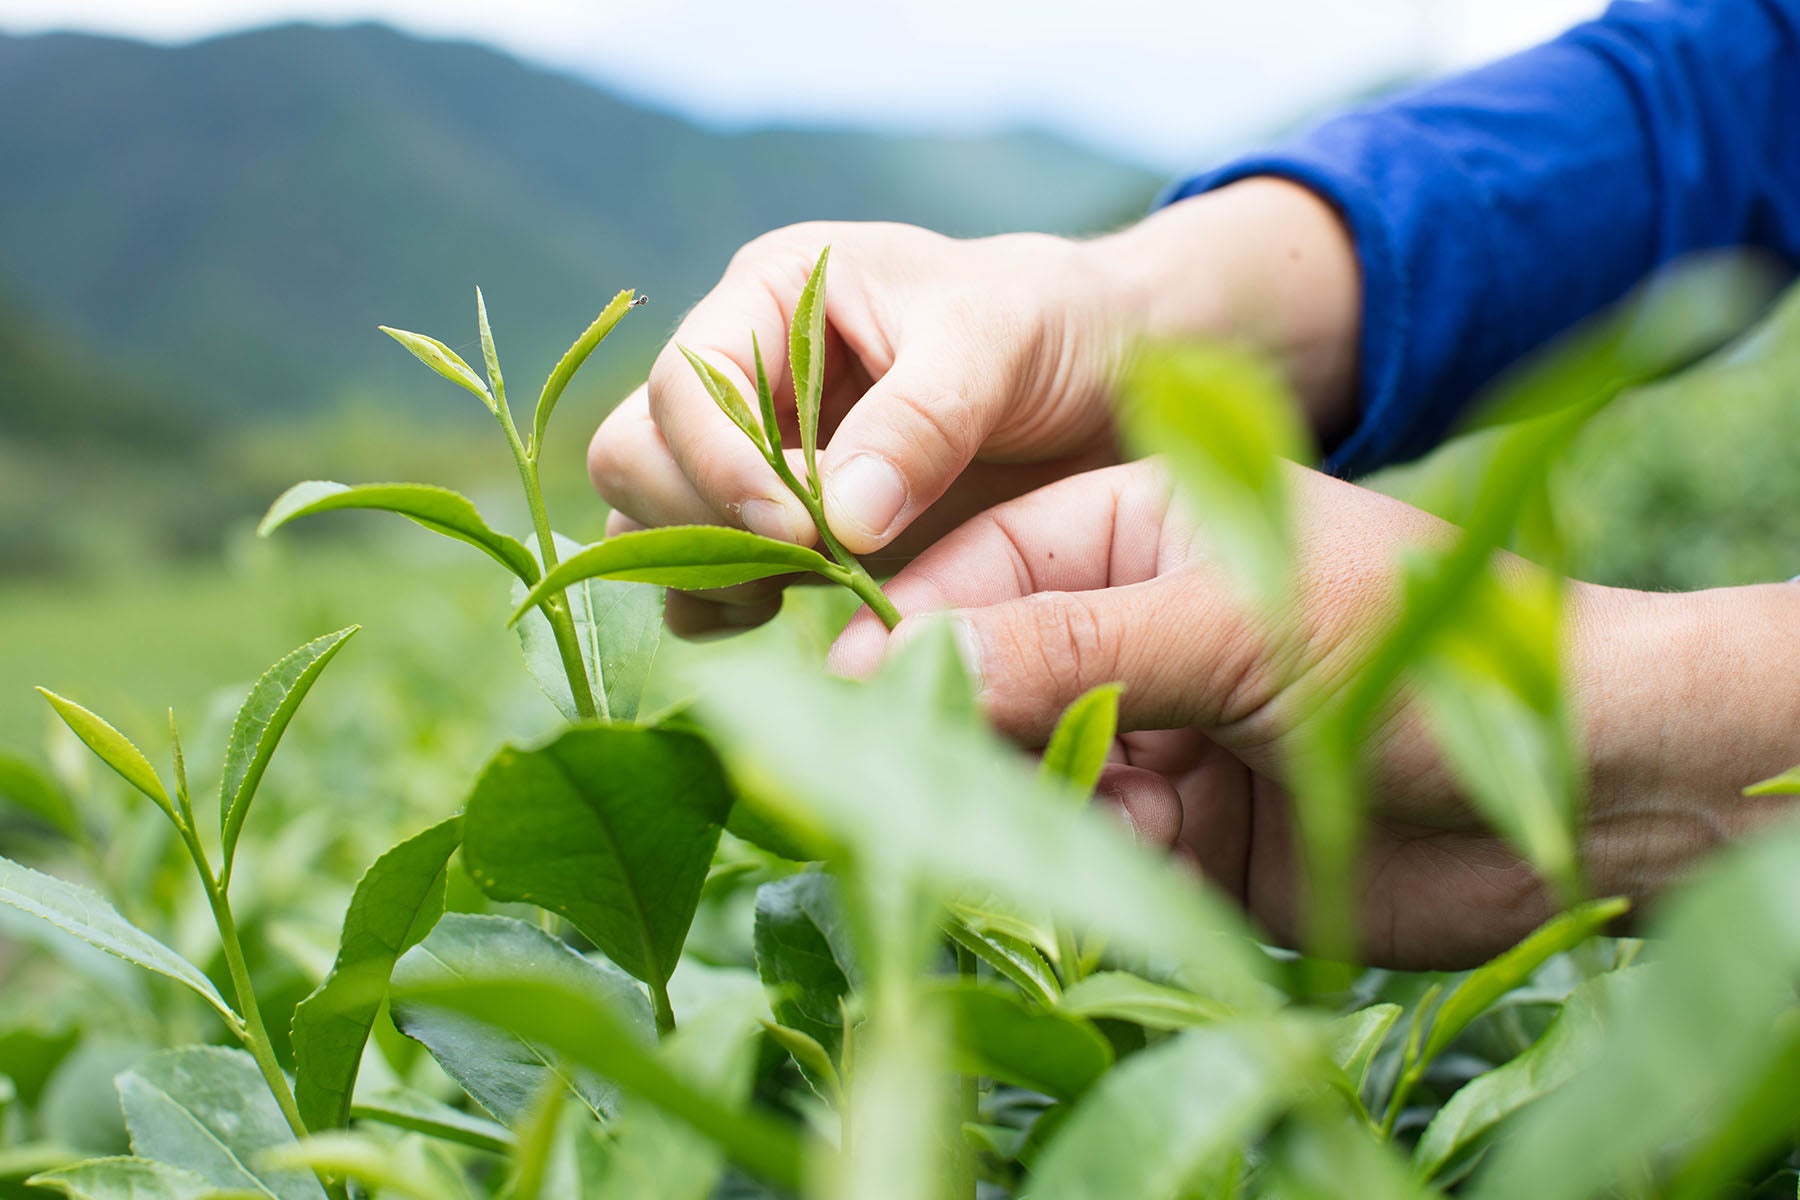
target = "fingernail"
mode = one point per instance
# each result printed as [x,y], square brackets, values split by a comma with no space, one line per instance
[868,492]
[770,518]
[968,648]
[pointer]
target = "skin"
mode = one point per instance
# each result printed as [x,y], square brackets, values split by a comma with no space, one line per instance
[980,372]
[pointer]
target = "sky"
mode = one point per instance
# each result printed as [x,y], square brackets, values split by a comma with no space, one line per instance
[1165,82]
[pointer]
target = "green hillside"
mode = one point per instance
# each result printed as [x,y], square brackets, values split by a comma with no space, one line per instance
[241,212]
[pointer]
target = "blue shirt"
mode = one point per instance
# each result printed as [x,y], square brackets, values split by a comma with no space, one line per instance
[1493,210]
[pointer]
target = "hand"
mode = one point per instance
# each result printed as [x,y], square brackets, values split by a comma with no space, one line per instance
[962,373]
[1098,579]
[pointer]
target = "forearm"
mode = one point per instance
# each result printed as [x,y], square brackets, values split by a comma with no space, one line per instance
[1262,261]
[1686,699]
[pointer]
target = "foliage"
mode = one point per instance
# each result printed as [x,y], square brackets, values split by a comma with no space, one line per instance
[599,974]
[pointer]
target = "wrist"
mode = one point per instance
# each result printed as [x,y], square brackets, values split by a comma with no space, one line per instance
[1264,262]
[1684,700]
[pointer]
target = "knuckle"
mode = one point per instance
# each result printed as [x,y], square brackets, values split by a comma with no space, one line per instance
[1070,641]
[938,425]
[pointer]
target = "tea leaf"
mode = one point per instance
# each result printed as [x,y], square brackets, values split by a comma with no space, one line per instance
[813,1060]
[1357,1038]
[86,915]
[1226,422]
[1487,984]
[29,789]
[803,955]
[422,1114]
[504,1070]
[1568,1047]
[765,401]
[731,402]
[489,355]
[690,557]
[260,722]
[1785,784]
[572,359]
[612,827]
[1014,958]
[207,1110]
[114,749]
[123,1179]
[587,1030]
[1325,1153]
[806,362]
[1083,739]
[1001,1036]
[1121,996]
[384,1168]
[395,904]
[1154,1122]
[437,509]
[444,361]
[618,626]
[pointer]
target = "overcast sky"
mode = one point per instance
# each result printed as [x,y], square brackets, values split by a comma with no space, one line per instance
[1164,81]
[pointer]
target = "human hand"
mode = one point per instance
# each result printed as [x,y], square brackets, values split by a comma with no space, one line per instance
[1099,579]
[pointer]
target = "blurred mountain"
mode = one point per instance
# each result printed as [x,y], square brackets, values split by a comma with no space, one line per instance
[235,216]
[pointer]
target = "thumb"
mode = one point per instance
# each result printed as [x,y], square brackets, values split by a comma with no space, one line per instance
[902,445]
[1178,646]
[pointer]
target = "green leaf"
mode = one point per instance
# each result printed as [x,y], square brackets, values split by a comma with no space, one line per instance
[690,557]
[86,915]
[444,361]
[1785,784]
[395,904]
[260,722]
[437,509]
[613,827]
[1120,996]
[813,1060]
[1357,1037]
[207,1110]
[114,749]
[804,956]
[422,1114]
[587,1030]
[572,359]
[1014,958]
[489,355]
[806,362]
[731,402]
[1226,421]
[1083,739]
[1323,1152]
[29,789]
[123,1179]
[1488,983]
[1001,1036]
[1569,1046]
[1163,1115]
[384,1168]
[504,1071]
[618,626]
[891,789]
[765,401]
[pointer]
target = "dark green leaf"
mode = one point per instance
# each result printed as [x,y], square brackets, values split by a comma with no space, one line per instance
[501,1069]
[618,626]
[1013,957]
[612,827]
[86,915]
[421,1114]
[261,720]
[207,1110]
[1120,996]
[123,1179]
[731,402]
[690,557]
[803,955]
[437,509]
[114,749]
[395,904]
[1083,739]
[806,362]
[1000,1036]
[572,359]
[1156,1121]
[443,360]
[28,789]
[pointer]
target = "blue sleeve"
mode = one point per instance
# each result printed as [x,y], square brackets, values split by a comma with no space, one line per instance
[1493,210]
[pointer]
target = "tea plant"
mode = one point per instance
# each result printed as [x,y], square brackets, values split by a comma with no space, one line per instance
[802,936]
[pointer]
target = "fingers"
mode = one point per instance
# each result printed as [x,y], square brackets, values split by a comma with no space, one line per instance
[1148,802]
[633,470]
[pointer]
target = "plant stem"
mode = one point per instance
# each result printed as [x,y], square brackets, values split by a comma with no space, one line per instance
[556,608]
[855,576]
[970,1086]
[253,1033]
[662,1009]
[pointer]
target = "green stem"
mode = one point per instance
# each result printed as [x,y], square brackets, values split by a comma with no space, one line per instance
[662,1009]
[970,1087]
[556,608]
[538,1140]
[855,576]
